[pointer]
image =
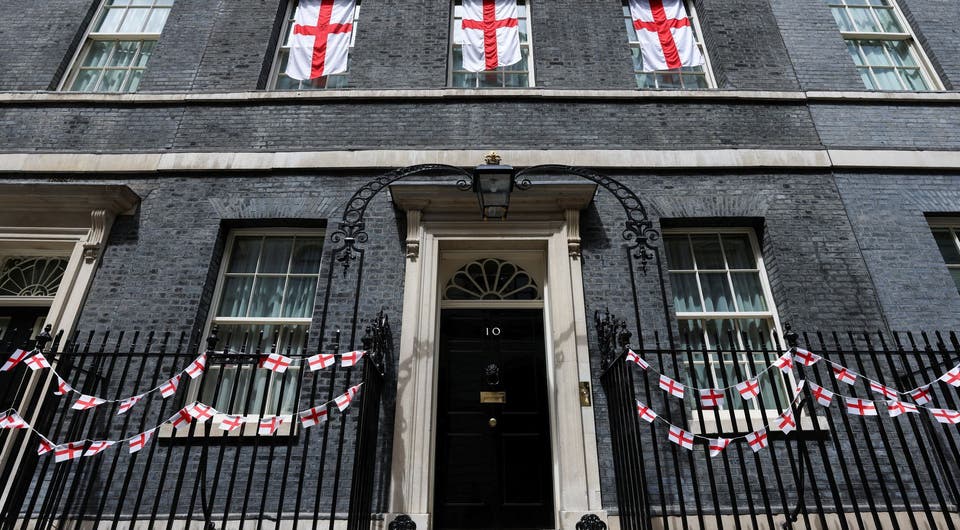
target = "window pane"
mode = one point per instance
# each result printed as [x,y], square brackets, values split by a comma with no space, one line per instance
[301,293]
[267,296]
[86,80]
[900,52]
[678,252]
[757,332]
[110,21]
[888,21]
[948,248]
[133,82]
[236,295]
[276,254]
[914,79]
[157,20]
[124,53]
[145,51]
[98,54]
[887,79]
[135,20]
[306,256]
[716,292]
[749,292]
[706,249]
[686,296]
[246,250]
[691,334]
[873,52]
[112,81]
[719,333]
[843,20]
[863,20]
[739,251]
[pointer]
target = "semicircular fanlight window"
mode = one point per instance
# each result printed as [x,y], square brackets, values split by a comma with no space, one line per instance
[491,279]
[31,276]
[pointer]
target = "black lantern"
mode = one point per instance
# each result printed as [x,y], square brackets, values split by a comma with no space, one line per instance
[493,183]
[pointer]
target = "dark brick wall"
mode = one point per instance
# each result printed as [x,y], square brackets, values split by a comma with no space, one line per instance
[885,126]
[887,212]
[932,23]
[433,124]
[745,45]
[819,55]
[36,37]
[581,45]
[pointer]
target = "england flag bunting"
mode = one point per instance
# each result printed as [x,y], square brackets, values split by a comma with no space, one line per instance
[806,358]
[200,412]
[680,437]
[896,408]
[784,363]
[636,359]
[786,422]
[181,419]
[170,387]
[645,413]
[12,420]
[343,401]
[749,389]
[138,442]
[96,448]
[63,388]
[313,416]
[671,387]
[861,407]
[757,440]
[884,391]
[87,402]
[952,377]
[128,404]
[948,416]
[269,425]
[231,422]
[68,451]
[665,34]
[711,398]
[799,389]
[843,375]
[822,395]
[37,362]
[15,359]
[197,367]
[351,358]
[717,445]
[320,38]
[45,446]
[490,34]
[921,396]
[275,362]
[321,361]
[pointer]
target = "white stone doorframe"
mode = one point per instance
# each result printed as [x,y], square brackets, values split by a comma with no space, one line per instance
[66,220]
[551,228]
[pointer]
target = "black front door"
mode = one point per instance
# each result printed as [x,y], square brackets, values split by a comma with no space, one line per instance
[493,466]
[18,326]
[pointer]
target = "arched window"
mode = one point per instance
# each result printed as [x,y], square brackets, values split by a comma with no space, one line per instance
[491,279]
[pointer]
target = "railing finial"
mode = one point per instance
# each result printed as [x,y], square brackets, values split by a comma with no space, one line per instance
[213,339]
[44,337]
[792,337]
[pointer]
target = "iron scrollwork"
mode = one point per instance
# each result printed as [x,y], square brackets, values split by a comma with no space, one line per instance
[612,336]
[351,230]
[591,522]
[639,232]
[402,522]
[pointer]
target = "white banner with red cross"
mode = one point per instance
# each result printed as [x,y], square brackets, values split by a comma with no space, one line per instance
[320,38]
[665,33]
[491,34]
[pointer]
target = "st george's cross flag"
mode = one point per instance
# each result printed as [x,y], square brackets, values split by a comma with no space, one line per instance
[128,404]
[15,359]
[665,34]
[491,34]
[85,402]
[12,420]
[860,407]
[884,391]
[749,389]
[37,362]
[681,437]
[671,387]
[952,377]
[68,451]
[806,358]
[786,422]
[351,358]
[138,442]
[231,422]
[170,387]
[45,446]
[823,396]
[63,388]
[276,362]
[784,363]
[320,38]
[717,445]
[896,408]
[197,367]
[921,395]
[757,440]
[313,416]
[98,447]
[634,358]
[321,361]
[269,425]
[645,413]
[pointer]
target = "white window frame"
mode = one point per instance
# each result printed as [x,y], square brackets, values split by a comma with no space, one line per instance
[698,37]
[289,426]
[739,420]
[285,31]
[953,225]
[531,77]
[89,37]
[916,50]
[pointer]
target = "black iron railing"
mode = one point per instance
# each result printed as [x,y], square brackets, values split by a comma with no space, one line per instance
[836,471]
[299,477]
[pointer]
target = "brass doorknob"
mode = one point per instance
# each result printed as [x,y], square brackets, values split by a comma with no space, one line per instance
[492,423]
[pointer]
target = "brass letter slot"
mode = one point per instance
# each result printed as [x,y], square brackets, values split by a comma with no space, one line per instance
[493,397]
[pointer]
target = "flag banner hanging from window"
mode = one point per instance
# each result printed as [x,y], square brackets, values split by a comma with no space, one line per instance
[320,39]
[665,34]
[491,34]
